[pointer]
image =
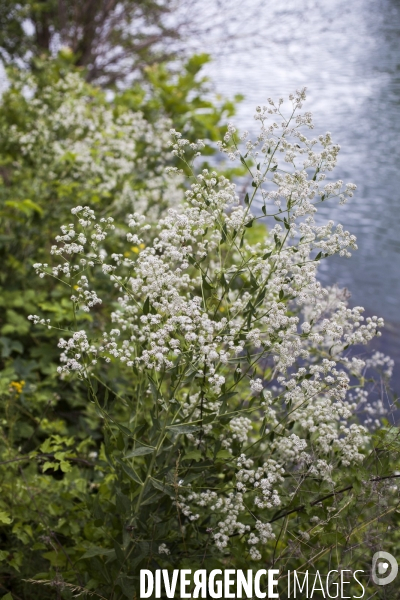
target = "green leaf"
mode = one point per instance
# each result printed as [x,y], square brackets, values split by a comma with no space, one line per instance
[167,489]
[246,199]
[224,233]
[49,465]
[146,306]
[260,297]
[7,596]
[97,551]
[226,396]
[65,466]
[129,471]
[5,518]
[25,206]
[183,428]
[151,499]
[193,455]
[141,451]
[206,285]
[224,454]
[123,429]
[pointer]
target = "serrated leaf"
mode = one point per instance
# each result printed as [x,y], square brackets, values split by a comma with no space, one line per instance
[5,518]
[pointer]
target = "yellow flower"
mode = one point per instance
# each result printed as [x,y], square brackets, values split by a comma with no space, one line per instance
[222,309]
[141,246]
[135,249]
[17,386]
[126,254]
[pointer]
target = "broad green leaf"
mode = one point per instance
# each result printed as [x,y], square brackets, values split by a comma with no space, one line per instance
[193,455]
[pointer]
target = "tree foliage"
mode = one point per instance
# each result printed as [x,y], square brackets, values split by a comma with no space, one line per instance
[100,34]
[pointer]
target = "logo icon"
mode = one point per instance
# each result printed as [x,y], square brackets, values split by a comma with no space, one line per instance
[381,562]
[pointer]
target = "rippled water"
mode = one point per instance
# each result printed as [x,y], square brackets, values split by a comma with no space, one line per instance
[348,56]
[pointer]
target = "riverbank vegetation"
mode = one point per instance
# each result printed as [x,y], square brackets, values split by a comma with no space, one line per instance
[178,389]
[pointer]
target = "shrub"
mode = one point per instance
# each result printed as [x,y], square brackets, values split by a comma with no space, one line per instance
[64,142]
[220,369]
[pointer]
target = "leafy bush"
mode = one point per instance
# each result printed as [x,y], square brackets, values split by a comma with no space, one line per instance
[219,368]
[64,142]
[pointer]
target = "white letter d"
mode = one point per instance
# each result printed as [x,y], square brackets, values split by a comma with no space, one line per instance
[146,574]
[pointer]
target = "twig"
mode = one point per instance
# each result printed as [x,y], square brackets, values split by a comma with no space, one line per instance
[323,498]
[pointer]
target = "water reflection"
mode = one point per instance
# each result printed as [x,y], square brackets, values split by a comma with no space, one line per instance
[348,56]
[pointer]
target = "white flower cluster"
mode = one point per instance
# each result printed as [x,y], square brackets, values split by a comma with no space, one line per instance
[163,549]
[256,336]
[227,508]
[109,152]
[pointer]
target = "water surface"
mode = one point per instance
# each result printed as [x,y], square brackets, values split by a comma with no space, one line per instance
[348,56]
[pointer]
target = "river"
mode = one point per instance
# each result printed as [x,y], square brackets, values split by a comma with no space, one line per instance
[348,56]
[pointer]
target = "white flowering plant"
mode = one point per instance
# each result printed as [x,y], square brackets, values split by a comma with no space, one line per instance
[65,142]
[238,428]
